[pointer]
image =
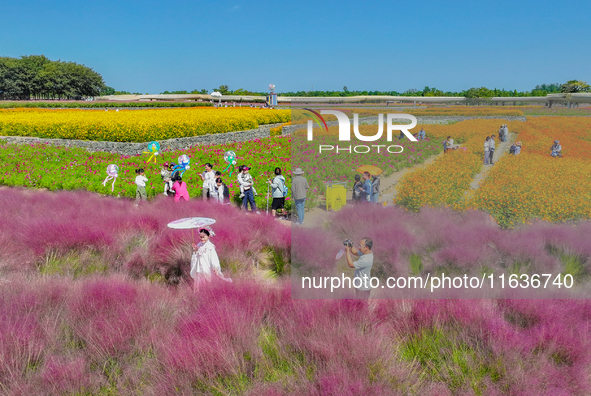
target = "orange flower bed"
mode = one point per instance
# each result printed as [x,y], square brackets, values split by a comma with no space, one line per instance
[445,181]
[535,185]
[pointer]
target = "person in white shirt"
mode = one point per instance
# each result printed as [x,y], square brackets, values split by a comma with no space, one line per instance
[208,178]
[140,182]
[486,150]
[491,149]
[205,261]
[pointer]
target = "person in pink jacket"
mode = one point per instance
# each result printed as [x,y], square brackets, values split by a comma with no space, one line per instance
[180,190]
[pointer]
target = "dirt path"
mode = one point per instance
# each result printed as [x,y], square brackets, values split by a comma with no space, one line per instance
[500,150]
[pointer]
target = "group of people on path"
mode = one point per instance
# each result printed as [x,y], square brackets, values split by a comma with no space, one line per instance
[367,190]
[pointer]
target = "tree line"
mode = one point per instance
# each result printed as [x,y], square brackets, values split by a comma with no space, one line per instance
[37,77]
[572,86]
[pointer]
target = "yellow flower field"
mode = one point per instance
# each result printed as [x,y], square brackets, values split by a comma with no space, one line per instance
[134,125]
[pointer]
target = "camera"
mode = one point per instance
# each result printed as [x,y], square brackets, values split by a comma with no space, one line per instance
[348,242]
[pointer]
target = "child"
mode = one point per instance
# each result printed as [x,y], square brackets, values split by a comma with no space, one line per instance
[244,176]
[140,181]
[357,189]
[166,175]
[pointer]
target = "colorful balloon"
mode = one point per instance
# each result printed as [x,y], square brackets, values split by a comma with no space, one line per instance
[183,164]
[154,148]
[230,158]
[112,173]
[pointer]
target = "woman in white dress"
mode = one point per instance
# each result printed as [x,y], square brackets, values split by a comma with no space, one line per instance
[205,261]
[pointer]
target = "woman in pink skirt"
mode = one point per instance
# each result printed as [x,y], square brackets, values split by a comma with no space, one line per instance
[205,261]
[180,189]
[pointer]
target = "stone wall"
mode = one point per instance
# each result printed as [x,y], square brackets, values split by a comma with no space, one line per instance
[127,148]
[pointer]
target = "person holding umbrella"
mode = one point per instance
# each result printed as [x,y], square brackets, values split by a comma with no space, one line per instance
[205,261]
[370,188]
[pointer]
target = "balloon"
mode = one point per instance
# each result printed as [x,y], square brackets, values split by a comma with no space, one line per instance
[183,165]
[230,158]
[112,173]
[154,148]
[113,170]
[184,160]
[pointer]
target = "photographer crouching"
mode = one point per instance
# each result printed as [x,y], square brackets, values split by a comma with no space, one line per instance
[362,265]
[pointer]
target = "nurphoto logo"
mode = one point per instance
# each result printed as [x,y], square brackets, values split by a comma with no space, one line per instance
[345,131]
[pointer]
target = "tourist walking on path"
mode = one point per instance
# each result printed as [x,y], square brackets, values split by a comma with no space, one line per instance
[299,191]
[140,182]
[491,149]
[487,150]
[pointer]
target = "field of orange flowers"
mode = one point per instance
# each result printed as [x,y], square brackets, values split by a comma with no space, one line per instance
[445,181]
[134,125]
[534,185]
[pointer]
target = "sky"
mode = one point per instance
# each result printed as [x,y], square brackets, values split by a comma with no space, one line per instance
[152,46]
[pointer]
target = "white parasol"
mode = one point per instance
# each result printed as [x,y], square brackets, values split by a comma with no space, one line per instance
[190,223]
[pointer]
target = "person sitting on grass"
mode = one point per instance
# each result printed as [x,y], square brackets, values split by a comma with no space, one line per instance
[447,144]
[556,149]
[422,135]
[140,182]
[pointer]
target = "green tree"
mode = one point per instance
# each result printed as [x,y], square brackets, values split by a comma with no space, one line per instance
[575,86]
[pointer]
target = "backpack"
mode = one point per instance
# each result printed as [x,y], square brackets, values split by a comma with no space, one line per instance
[283,189]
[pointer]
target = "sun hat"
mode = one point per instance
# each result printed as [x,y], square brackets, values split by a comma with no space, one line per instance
[244,167]
[298,171]
[556,141]
[166,164]
[518,144]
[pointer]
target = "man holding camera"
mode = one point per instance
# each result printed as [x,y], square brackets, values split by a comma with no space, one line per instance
[362,266]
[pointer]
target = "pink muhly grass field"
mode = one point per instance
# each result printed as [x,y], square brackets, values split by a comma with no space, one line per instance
[444,239]
[80,312]
[112,334]
[113,235]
